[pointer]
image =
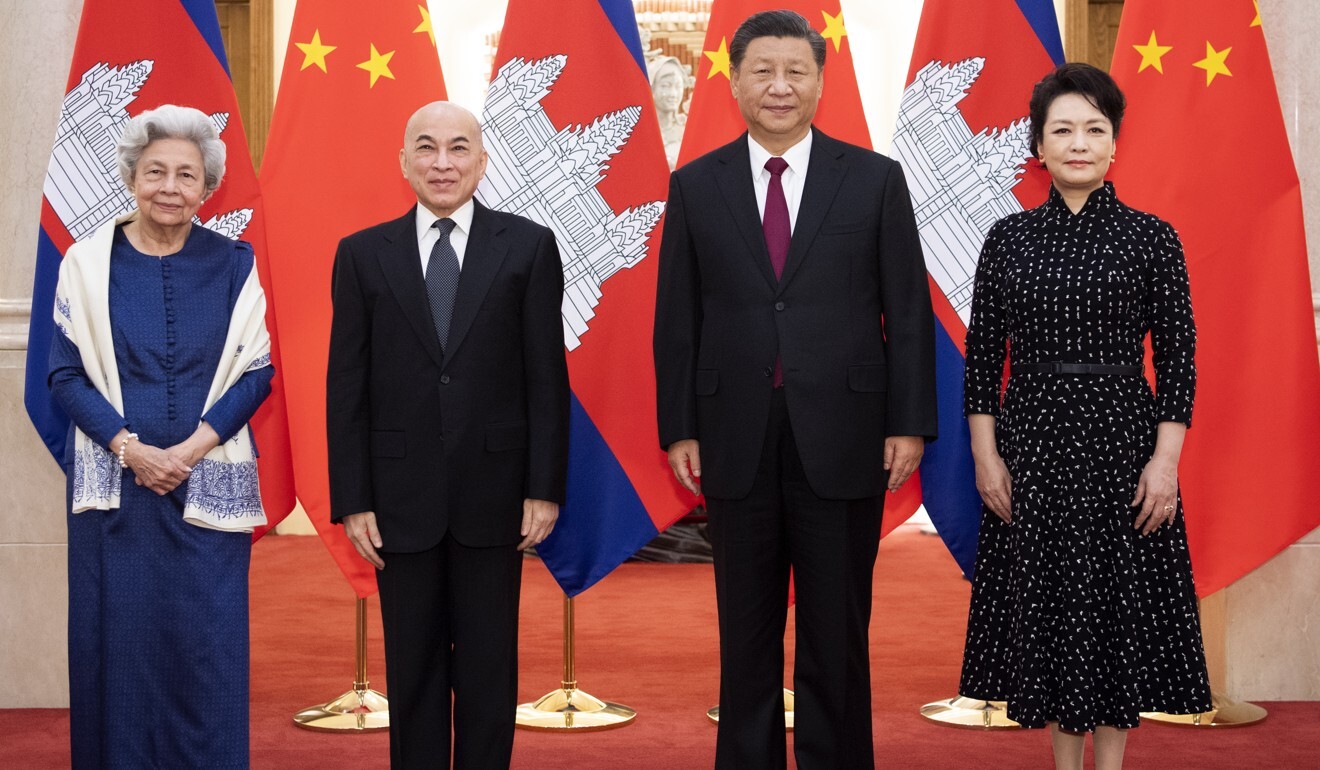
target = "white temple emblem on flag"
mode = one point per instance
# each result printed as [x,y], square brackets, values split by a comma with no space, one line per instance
[550,175]
[82,180]
[961,183]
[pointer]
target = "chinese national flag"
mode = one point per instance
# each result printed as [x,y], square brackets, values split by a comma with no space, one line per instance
[714,119]
[353,74]
[1203,146]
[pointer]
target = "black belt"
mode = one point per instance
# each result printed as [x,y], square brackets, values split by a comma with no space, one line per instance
[1062,368]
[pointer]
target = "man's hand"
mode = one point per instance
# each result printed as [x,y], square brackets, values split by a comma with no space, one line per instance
[902,456]
[685,459]
[539,517]
[362,533]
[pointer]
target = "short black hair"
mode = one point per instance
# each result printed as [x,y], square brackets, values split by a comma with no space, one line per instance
[783,23]
[1091,83]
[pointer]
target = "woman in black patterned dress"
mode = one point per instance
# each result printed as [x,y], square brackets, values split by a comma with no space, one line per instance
[1083,611]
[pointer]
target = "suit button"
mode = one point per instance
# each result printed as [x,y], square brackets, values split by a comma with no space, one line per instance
[444,379]
[769,371]
[779,306]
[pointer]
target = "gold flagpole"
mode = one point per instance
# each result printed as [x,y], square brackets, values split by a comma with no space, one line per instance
[361,709]
[969,713]
[568,708]
[713,713]
[1224,711]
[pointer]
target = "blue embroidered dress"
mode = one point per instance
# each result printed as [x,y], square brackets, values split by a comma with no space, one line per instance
[158,608]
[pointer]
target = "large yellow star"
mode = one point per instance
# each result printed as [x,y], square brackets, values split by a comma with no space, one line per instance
[378,65]
[1152,54]
[314,52]
[719,60]
[1214,63]
[425,26]
[1256,21]
[834,29]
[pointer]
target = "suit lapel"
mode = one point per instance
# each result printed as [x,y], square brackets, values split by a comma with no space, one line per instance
[402,265]
[825,173]
[734,178]
[486,248]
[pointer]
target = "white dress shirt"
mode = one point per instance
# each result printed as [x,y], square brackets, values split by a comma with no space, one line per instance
[794,177]
[427,235]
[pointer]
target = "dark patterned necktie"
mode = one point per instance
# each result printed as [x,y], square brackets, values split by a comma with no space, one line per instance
[778,232]
[442,280]
[775,224]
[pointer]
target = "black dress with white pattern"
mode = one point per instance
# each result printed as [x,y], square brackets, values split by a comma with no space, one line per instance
[1075,617]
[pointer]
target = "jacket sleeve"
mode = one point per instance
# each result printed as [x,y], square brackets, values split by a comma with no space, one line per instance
[909,324]
[348,373]
[547,375]
[677,334]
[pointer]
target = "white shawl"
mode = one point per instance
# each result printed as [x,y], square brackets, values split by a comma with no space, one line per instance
[222,492]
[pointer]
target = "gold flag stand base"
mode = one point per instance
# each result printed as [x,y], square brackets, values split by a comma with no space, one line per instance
[361,709]
[568,709]
[713,714]
[1224,712]
[970,714]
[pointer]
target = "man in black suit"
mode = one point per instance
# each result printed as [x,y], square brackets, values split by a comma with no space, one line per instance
[794,357]
[447,412]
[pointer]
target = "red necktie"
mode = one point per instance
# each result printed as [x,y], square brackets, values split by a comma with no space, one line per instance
[775,224]
[778,232]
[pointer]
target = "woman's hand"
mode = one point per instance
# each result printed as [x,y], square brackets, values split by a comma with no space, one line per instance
[992,478]
[1157,495]
[1157,490]
[156,469]
[995,485]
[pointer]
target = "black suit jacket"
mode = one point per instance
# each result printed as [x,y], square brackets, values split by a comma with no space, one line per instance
[454,442]
[850,319]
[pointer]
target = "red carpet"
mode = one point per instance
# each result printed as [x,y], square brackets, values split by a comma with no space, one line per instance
[646,638]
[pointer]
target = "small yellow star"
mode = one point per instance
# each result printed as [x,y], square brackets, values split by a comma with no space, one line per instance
[1256,21]
[1152,54]
[425,26]
[378,65]
[314,52]
[834,29]
[719,60]
[1214,63]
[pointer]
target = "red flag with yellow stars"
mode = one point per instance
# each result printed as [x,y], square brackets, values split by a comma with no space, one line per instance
[714,120]
[353,74]
[1203,146]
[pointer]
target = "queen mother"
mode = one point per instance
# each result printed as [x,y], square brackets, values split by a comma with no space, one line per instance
[162,359]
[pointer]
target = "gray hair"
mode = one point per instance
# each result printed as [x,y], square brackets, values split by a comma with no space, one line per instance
[170,121]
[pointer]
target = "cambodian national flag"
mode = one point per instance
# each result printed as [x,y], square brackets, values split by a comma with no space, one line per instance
[574,143]
[964,142]
[131,57]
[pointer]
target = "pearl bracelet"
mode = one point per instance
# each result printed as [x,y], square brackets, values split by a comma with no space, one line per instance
[123,446]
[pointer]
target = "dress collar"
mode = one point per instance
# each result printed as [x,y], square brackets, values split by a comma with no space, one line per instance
[1100,199]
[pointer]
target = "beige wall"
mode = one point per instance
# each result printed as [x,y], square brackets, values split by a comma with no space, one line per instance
[34,64]
[1267,652]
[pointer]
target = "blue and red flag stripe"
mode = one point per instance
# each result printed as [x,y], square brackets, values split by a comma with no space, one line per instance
[1019,42]
[571,80]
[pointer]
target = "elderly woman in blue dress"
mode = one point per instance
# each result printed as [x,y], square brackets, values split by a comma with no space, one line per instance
[162,359]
